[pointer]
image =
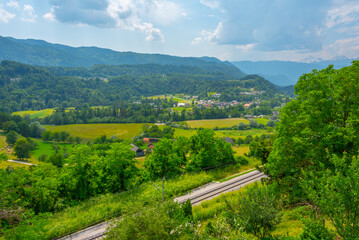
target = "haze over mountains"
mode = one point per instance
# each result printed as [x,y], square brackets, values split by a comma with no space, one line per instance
[283,73]
[42,53]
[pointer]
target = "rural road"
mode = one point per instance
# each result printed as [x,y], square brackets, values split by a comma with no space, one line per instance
[196,197]
[25,163]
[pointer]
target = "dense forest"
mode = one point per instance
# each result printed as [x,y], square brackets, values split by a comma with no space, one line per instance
[25,87]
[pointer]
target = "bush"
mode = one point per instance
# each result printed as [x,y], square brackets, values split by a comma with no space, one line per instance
[242,160]
[258,210]
[314,229]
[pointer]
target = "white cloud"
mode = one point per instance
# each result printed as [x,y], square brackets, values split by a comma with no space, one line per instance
[50,15]
[162,12]
[348,47]
[5,16]
[29,14]
[13,4]
[211,3]
[343,15]
[274,25]
[135,15]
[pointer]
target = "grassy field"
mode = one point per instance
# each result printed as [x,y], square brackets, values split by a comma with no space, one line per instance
[36,114]
[241,150]
[46,148]
[211,123]
[179,109]
[91,131]
[175,98]
[223,133]
[240,133]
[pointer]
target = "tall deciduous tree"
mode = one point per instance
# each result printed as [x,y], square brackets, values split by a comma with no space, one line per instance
[11,137]
[22,149]
[320,123]
[120,166]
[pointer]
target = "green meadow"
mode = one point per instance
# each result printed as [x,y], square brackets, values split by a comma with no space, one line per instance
[46,148]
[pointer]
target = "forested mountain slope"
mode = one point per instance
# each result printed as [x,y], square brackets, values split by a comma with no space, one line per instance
[24,87]
[42,53]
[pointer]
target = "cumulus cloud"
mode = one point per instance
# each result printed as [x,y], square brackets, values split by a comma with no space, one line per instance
[272,25]
[13,4]
[29,14]
[137,15]
[210,3]
[5,16]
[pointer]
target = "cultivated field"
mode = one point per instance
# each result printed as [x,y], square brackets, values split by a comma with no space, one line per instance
[91,131]
[211,123]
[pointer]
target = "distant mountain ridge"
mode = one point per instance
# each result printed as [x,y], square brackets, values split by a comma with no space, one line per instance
[283,73]
[42,53]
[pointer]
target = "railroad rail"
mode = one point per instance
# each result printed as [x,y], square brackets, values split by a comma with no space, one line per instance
[98,231]
[218,189]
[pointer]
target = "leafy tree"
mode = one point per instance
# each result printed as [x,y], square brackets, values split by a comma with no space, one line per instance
[202,150]
[258,210]
[80,180]
[3,157]
[47,136]
[336,193]
[320,123]
[261,149]
[248,139]
[22,149]
[11,137]
[240,141]
[63,136]
[77,140]
[36,130]
[271,123]
[120,166]
[56,136]
[163,161]
[24,129]
[56,159]
[10,126]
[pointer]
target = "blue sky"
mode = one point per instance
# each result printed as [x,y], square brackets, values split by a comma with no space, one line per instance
[294,30]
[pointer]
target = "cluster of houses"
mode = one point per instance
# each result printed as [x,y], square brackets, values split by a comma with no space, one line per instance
[210,103]
[252,93]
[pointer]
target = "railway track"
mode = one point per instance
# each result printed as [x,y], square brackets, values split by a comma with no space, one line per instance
[218,189]
[98,231]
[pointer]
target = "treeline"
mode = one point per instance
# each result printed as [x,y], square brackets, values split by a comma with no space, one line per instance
[24,87]
[137,113]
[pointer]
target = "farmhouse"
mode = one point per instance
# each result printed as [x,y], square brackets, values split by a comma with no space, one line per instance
[228,140]
[139,152]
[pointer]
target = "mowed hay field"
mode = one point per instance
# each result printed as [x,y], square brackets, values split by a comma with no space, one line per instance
[92,131]
[36,114]
[221,123]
